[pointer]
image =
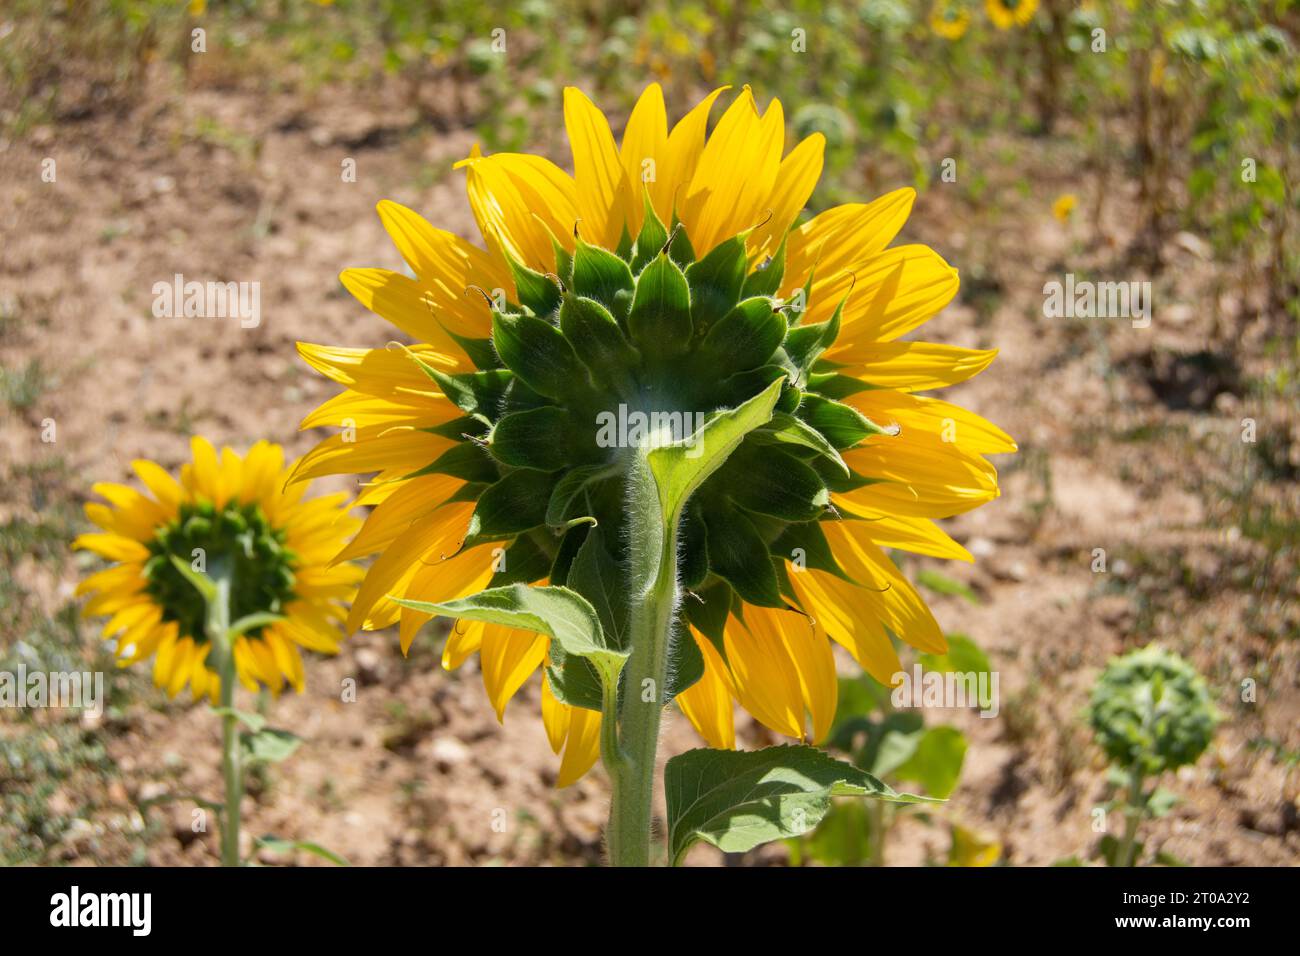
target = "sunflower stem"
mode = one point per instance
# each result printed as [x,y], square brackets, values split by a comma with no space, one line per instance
[218,627]
[654,590]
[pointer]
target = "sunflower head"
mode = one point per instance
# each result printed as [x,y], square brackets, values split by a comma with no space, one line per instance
[227,517]
[664,282]
[1006,14]
[949,19]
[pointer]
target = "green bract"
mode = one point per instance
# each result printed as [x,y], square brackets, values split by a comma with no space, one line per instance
[1151,712]
[618,354]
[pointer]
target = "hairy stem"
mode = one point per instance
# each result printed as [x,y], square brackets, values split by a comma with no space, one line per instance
[653,573]
[218,627]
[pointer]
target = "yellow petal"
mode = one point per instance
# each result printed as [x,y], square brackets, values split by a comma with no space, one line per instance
[114,547]
[685,145]
[381,373]
[795,180]
[603,195]
[918,535]
[719,202]
[913,366]
[431,537]
[840,607]
[467,573]
[371,449]
[508,657]
[555,717]
[893,293]
[581,745]
[161,485]
[933,421]
[523,204]
[644,155]
[412,500]
[766,680]
[707,703]
[883,588]
[465,638]
[841,239]
[814,664]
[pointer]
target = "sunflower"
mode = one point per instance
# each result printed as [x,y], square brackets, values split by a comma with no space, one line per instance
[666,274]
[227,515]
[1006,14]
[949,20]
[1063,206]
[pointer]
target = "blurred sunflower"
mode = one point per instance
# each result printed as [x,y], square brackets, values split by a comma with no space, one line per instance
[949,20]
[232,516]
[1064,205]
[1006,14]
[665,274]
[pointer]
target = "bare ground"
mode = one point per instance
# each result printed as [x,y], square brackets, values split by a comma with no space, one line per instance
[1130,443]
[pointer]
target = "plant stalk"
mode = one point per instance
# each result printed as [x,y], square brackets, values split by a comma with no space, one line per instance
[654,590]
[1133,814]
[218,626]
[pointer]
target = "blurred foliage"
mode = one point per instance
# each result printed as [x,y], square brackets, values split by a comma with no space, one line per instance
[1199,97]
[1151,712]
[896,745]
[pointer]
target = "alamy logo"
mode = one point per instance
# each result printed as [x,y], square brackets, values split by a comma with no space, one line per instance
[1083,299]
[946,689]
[179,299]
[637,429]
[36,689]
[134,910]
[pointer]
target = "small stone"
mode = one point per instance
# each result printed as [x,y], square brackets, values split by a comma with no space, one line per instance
[369,666]
[447,752]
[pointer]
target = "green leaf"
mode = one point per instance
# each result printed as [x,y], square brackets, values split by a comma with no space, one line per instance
[804,545]
[660,320]
[766,279]
[936,761]
[599,340]
[594,574]
[206,587]
[744,338]
[708,609]
[737,800]
[842,425]
[538,353]
[805,343]
[940,583]
[685,664]
[514,504]
[253,722]
[560,613]
[739,555]
[193,798]
[771,482]
[468,461]
[652,239]
[269,745]
[964,657]
[786,429]
[682,467]
[276,845]
[599,274]
[844,836]
[250,622]
[522,563]
[715,282]
[539,438]
[559,508]
[479,394]
[536,292]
